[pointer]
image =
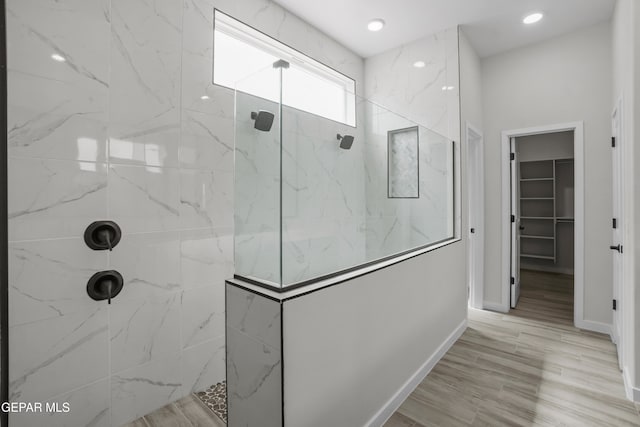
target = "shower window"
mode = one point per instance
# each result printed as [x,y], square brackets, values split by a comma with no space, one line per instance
[240,51]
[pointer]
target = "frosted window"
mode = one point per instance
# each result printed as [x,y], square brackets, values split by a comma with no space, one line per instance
[241,51]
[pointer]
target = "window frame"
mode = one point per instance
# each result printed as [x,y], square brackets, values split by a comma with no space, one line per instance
[250,35]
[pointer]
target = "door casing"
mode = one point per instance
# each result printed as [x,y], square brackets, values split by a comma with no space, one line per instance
[475,186]
[578,154]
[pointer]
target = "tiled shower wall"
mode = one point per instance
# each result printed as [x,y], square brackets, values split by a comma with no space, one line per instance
[119,131]
[427,96]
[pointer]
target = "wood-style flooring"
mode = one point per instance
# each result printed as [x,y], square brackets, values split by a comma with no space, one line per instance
[530,367]
[186,412]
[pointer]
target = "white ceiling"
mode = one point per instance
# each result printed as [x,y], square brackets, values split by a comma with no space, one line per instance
[492,26]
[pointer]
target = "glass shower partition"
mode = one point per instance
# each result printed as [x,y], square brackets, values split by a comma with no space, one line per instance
[336,183]
[257,212]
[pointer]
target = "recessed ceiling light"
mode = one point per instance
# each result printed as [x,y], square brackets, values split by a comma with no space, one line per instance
[419,64]
[58,57]
[532,19]
[375,24]
[448,87]
[203,97]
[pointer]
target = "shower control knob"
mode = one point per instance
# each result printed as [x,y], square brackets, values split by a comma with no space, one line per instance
[105,285]
[102,235]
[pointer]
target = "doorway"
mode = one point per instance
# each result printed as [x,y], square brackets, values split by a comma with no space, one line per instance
[538,214]
[542,204]
[475,181]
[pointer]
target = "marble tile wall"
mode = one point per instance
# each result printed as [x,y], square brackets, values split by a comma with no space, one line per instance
[254,356]
[119,131]
[411,96]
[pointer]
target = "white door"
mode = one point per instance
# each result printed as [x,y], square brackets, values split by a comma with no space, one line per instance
[475,174]
[617,235]
[515,225]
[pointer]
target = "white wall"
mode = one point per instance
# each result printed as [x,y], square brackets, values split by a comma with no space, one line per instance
[557,145]
[560,80]
[348,349]
[119,131]
[626,57]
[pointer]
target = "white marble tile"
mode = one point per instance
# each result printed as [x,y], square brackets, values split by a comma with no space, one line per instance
[149,264]
[202,314]
[203,365]
[403,163]
[206,199]
[53,356]
[88,406]
[256,316]
[53,198]
[144,199]
[143,389]
[146,40]
[207,140]
[143,330]
[47,278]
[257,251]
[253,382]
[198,27]
[206,257]
[416,93]
[152,142]
[56,119]
[78,30]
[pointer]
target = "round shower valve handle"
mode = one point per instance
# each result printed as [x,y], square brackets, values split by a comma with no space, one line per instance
[102,235]
[105,285]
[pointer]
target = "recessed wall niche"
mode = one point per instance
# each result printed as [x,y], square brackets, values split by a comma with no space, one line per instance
[403,170]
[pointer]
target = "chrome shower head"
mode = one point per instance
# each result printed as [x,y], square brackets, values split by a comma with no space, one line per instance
[346,141]
[263,120]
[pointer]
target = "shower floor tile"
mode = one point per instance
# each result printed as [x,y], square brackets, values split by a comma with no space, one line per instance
[215,397]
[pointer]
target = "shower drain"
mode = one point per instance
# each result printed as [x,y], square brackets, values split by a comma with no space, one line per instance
[215,397]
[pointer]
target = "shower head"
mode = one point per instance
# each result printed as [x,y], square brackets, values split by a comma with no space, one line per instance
[346,141]
[263,120]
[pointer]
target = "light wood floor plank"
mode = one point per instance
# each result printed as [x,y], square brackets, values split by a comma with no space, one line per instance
[196,412]
[530,367]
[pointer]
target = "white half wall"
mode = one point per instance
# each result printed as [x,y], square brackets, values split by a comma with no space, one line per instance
[350,350]
[566,79]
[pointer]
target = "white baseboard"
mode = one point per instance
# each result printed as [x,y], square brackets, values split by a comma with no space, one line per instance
[396,400]
[495,307]
[590,325]
[633,393]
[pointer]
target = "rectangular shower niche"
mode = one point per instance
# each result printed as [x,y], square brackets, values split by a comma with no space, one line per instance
[403,170]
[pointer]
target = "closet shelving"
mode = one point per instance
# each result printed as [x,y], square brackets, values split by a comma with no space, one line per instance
[542,208]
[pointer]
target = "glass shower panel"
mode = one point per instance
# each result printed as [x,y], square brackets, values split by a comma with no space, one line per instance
[389,228]
[315,195]
[323,191]
[257,177]
[432,216]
